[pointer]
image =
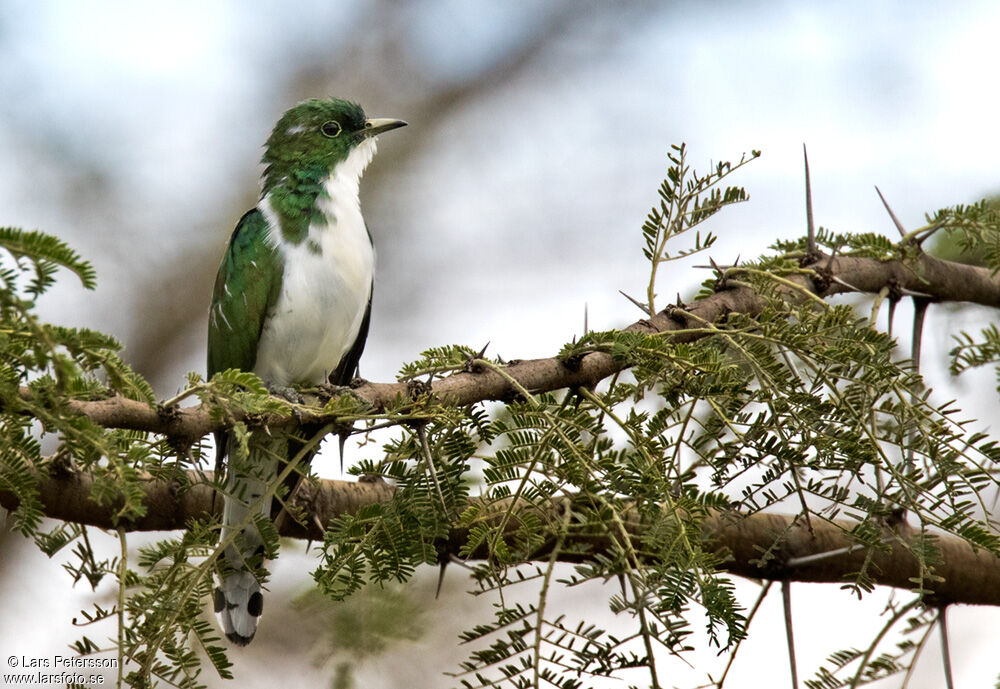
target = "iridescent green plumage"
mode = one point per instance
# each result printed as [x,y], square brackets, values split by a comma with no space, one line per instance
[306,143]
[246,289]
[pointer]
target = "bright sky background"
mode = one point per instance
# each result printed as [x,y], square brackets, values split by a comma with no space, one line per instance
[133,131]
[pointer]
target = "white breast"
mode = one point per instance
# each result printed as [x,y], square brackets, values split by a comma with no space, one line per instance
[325,289]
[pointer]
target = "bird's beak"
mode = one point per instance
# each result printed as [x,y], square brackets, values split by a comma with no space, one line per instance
[377,125]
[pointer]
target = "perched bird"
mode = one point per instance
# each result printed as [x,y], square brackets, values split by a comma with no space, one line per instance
[292,304]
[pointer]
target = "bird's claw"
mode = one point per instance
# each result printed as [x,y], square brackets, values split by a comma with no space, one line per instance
[286,393]
[329,390]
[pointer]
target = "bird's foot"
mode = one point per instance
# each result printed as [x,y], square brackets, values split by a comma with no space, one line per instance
[286,393]
[329,390]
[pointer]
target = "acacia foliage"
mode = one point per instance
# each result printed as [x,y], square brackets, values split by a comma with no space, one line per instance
[803,407]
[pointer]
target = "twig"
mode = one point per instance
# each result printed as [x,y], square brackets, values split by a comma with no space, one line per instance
[122,576]
[429,460]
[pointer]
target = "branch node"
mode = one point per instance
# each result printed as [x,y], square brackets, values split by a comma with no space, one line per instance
[823,277]
[473,363]
[895,290]
[416,389]
[574,361]
[168,413]
[721,279]
[677,313]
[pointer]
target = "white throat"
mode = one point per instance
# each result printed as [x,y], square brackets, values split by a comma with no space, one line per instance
[343,182]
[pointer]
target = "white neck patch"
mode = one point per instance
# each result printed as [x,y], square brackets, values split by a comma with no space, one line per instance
[346,177]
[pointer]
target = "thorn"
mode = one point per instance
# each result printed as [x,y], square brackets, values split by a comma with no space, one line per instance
[929,232]
[916,295]
[586,328]
[810,227]
[643,307]
[892,311]
[829,260]
[945,650]
[470,360]
[444,566]
[341,441]
[786,601]
[724,266]
[895,220]
[919,311]
[720,277]
[444,559]
[816,557]
[680,304]
[460,562]
[844,283]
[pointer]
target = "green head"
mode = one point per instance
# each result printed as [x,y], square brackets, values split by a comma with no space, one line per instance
[312,138]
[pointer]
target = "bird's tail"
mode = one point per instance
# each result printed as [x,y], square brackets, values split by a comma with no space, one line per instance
[238,600]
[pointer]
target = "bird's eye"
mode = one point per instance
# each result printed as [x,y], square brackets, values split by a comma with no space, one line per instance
[330,129]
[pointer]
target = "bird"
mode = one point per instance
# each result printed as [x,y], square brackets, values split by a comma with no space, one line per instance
[292,304]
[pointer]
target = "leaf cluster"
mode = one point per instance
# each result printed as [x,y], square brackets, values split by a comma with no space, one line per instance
[44,370]
[43,367]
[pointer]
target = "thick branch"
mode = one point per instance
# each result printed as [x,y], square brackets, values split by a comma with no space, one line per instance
[967,576]
[940,280]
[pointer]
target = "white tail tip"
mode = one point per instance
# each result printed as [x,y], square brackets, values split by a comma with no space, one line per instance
[238,605]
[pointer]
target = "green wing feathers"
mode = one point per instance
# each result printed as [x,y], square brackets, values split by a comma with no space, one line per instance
[246,289]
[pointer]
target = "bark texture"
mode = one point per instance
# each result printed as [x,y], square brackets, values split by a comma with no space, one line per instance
[967,576]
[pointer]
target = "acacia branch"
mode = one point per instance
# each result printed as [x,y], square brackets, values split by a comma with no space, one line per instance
[942,281]
[967,576]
